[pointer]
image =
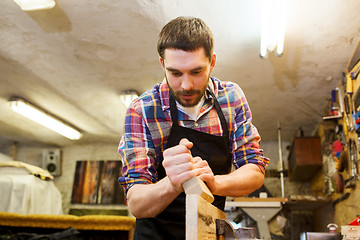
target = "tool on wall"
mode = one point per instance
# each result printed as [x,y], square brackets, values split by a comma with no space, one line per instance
[352,165]
[355,72]
[349,100]
[339,148]
[348,117]
[281,163]
[341,198]
[339,91]
[337,151]
[357,163]
[356,117]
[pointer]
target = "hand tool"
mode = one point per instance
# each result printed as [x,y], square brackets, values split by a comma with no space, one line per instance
[355,72]
[350,100]
[352,164]
[349,123]
[341,198]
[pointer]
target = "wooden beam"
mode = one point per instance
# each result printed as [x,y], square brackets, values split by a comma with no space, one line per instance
[201,215]
[201,218]
[197,187]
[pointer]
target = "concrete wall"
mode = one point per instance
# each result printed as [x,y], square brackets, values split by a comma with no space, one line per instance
[70,154]
[271,150]
[273,184]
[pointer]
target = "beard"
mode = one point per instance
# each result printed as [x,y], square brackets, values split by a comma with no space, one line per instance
[198,93]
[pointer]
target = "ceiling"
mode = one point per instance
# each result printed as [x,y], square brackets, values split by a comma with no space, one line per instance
[75,59]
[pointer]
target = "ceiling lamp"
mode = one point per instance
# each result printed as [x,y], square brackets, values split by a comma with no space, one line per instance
[274,14]
[32,5]
[37,115]
[128,96]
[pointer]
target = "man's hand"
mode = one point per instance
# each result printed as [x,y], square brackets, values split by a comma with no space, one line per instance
[204,172]
[178,163]
[180,166]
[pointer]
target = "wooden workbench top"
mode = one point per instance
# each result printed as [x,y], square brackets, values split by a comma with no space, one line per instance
[256,199]
[94,222]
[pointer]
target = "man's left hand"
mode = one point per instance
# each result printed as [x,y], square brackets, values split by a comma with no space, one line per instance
[204,172]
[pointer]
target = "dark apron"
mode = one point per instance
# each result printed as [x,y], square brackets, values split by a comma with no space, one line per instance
[170,224]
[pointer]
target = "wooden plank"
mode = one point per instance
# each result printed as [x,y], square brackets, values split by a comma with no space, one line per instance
[201,218]
[201,215]
[198,187]
[255,199]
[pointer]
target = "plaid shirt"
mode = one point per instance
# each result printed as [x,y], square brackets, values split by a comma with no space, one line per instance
[148,123]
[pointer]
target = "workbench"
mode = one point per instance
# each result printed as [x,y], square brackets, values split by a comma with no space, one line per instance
[259,209]
[104,226]
[264,209]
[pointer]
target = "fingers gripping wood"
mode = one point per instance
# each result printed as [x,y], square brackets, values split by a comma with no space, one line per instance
[197,187]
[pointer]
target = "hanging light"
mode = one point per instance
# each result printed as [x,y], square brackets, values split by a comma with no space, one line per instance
[128,96]
[32,5]
[274,15]
[28,110]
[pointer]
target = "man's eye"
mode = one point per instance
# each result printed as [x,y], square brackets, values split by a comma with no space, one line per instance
[176,74]
[196,72]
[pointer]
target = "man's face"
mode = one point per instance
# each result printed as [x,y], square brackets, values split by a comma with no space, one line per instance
[187,74]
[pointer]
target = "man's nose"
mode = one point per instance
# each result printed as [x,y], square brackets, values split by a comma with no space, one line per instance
[187,82]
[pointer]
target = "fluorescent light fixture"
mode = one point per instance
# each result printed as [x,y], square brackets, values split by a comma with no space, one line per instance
[274,15]
[31,112]
[32,5]
[128,96]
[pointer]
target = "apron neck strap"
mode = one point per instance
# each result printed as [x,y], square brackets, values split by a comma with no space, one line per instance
[173,109]
[175,119]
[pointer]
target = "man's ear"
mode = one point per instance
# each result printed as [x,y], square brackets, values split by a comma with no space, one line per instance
[212,62]
[162,62]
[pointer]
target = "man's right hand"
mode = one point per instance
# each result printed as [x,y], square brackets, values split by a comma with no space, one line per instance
[178,163]
[180,166]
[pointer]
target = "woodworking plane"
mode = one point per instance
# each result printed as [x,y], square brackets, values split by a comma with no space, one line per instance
[204,221]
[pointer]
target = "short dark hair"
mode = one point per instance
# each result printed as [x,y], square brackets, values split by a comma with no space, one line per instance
[187,34]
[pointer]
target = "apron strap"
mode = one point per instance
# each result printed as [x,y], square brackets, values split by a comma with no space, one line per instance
[221,116]
[175,119]
[173,109]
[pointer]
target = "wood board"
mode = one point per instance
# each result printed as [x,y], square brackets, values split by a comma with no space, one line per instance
[201,218]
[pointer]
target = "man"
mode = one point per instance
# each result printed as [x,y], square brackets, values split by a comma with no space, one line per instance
[189,125]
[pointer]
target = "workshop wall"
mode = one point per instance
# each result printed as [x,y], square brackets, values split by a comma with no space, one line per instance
[271,150]
[73,153]
[344,205]
[272,179]
[342,208]
[69,156]
[339,132]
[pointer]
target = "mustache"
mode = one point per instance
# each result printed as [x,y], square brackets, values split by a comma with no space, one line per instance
[188,92]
